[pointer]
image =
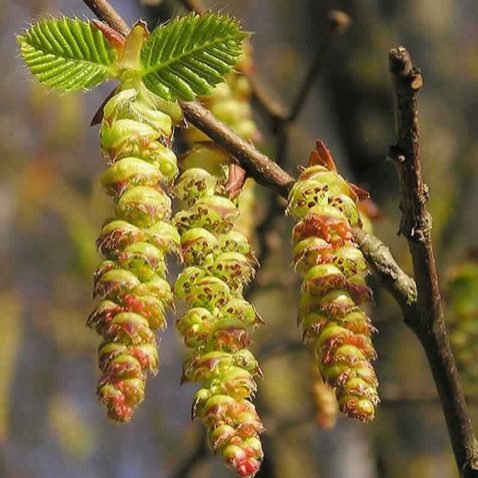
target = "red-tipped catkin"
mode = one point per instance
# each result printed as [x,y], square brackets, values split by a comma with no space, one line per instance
[333,285]
[219,322]
[130,282]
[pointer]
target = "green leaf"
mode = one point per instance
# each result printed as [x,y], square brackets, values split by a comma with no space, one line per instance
[67,54]
[190,55]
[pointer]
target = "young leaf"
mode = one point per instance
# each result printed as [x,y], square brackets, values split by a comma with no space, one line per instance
[67,54]
[190,55]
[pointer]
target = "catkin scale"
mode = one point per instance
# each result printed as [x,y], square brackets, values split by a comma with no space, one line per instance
[131,280]
[333,284]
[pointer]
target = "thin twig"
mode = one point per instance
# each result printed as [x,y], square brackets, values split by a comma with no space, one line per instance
[428,323]
[399,284]
[257,165]
[337,24]
[106,13]
[281,120]
[194,6]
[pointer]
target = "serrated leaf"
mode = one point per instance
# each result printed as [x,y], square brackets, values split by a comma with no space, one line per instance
[190,55]
[67,54]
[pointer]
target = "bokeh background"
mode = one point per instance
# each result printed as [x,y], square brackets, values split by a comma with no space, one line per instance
[51,208]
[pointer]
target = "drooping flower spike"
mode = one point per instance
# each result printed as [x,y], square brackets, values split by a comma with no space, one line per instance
[333,289]
[219,322]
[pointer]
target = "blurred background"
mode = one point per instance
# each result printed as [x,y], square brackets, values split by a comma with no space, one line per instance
[51,209]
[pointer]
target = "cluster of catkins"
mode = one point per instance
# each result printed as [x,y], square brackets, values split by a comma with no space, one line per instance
[333,273]
[218,322]
[207,235]
[136,138]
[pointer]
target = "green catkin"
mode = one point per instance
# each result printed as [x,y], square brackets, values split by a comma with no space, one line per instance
[218,322]
[136,134]
[231,104]
[333,273]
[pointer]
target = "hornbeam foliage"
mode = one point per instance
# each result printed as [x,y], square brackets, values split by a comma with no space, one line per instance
[333,288]
[67,54]
[180,60]
[186,57]
[190,55]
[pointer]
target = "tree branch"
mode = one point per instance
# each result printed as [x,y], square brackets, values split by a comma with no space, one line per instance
[428,323]
[194,6]
[257,165]
[106,13]
[400,285]
[337,23]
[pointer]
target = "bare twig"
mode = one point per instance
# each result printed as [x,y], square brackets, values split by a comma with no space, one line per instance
[280,120]
[106,13]
[194,6]
[428,323]
[399,284]
[257,165]
[338,23]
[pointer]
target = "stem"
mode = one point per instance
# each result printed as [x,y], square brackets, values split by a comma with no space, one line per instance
[338,23]
[427,323]
[257,165]
[194,6]
[106,13]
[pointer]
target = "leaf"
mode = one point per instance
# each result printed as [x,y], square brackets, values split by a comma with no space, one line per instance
[67,54]
[190,55]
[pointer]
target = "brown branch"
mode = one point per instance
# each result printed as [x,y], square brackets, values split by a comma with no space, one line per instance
[194,6]
[257,165]
[106,13]
[337,23]
[428,323]
[400,285]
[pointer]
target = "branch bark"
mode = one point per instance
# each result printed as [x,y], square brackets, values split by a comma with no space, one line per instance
[400,285]
[194,6]
[106,13]
[257,165]
[427,323]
